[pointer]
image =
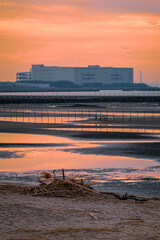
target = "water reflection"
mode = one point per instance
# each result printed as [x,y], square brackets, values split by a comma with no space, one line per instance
[23,156]
[106,129]
[58,152]
[31,138]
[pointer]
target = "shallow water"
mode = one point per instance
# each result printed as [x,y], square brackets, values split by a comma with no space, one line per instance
[111,166]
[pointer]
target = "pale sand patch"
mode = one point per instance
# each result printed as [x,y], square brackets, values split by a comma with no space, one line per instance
[27,217]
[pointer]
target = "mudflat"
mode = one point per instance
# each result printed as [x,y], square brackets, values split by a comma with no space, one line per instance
[60,130]
[27,217]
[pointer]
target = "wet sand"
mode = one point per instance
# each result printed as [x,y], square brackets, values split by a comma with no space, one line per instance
[25,217]
[149,150]
[48,129]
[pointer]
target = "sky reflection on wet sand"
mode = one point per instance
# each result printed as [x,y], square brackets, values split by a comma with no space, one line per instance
[69,156]
[24,156]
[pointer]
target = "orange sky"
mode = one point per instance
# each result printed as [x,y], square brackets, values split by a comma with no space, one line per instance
[120,33]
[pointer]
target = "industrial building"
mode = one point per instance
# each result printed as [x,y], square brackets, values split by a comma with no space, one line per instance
[78,75]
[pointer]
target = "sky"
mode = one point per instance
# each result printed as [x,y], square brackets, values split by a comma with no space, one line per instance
[117,33]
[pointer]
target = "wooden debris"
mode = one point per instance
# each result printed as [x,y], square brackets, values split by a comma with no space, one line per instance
[93,216]
[61,187]
[63,174]
[40,181]
[46,175]
[126,196]
[65,187]
[71,187]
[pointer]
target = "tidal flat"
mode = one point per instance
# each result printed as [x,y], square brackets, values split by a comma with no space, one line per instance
[115,150]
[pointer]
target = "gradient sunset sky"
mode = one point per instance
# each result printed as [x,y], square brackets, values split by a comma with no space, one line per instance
[118,33]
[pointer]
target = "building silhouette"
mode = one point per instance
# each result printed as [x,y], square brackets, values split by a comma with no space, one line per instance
[77,75]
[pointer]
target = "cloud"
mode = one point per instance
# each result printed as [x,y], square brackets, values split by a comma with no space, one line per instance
[128,6]
[45,11]
[114,6]
[79,32]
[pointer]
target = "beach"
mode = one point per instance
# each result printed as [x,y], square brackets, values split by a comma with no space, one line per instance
[29,218]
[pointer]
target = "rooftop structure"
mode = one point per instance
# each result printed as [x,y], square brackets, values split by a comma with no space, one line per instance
[24,76]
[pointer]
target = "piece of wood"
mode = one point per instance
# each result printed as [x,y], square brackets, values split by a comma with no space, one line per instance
[42,182]
[63,174]
[126,196]
[80,186]
[93,216]
[82,182]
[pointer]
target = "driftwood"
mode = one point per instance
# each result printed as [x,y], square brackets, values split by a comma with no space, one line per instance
[83,187]
[63,174]
[93,216]
[126,196]
[71,187]
[46,175]
[40,181]
[61,187]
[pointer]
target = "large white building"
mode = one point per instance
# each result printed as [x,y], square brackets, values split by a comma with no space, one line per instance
[78,75]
